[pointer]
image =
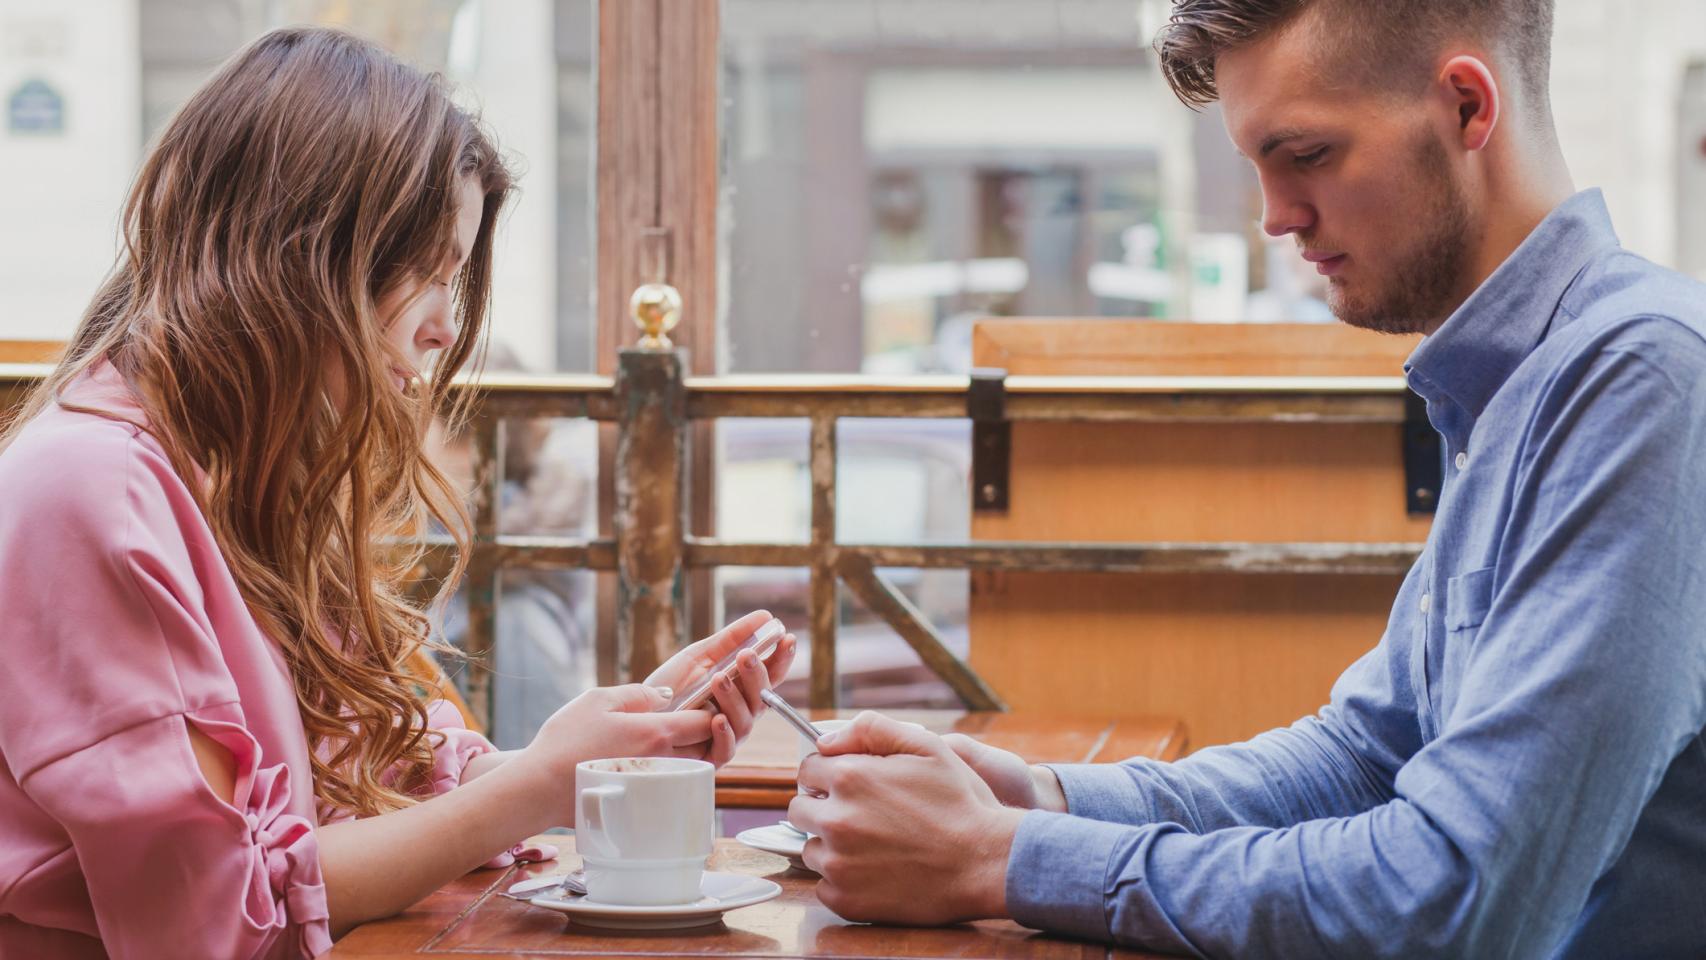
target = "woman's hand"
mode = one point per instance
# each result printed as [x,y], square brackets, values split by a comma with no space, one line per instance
[736,699]
[609,722]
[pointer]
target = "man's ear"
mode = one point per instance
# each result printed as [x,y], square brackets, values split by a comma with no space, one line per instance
[1468,86]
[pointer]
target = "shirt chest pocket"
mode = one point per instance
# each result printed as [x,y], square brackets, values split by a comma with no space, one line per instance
[1467,599]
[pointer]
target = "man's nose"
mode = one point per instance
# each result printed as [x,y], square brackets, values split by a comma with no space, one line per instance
[1284,213]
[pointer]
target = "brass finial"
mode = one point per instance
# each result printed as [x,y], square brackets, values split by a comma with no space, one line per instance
[657,309]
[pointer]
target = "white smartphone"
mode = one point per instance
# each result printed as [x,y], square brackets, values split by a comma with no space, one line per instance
[762,643]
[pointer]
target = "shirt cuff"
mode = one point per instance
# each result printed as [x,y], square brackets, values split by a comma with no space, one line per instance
[1102,791]
[1057,873]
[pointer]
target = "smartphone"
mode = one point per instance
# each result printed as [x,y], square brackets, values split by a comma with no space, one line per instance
[762,643]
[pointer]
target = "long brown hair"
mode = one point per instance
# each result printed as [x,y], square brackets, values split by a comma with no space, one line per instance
[313,176]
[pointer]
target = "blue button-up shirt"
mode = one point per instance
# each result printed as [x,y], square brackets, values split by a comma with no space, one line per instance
[1517,769]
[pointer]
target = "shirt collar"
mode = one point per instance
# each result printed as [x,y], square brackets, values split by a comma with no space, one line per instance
[1481,344]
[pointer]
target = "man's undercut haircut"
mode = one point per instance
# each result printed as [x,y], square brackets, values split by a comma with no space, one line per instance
[1389,45]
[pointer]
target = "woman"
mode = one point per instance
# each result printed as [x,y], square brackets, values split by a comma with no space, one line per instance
[209,745]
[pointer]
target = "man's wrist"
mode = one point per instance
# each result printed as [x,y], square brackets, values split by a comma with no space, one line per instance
[1047,790]
[989,895]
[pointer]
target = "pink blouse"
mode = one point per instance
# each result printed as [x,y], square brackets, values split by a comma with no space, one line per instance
[120,625]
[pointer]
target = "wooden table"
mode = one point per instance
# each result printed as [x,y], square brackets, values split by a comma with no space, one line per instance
[762,773]
[467,919]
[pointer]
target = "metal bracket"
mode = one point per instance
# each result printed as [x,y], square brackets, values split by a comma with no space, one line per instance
[1424,464]
[991,439]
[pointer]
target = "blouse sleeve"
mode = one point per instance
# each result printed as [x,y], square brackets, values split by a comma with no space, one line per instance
[454,746]
[171,868]
[110,657]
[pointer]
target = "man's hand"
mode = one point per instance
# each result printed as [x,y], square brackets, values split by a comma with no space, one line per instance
[906,832]
[1013,781]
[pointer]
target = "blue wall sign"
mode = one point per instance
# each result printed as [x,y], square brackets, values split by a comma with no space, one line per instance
[35,108]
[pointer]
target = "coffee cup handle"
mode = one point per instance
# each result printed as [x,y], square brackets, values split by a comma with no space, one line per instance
[591,812]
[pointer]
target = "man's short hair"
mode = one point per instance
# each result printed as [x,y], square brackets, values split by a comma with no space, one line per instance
[1387,44]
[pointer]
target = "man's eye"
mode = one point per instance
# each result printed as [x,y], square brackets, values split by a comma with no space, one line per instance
[1313,158]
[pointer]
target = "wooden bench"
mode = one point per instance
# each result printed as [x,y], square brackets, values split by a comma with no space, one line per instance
[31,351]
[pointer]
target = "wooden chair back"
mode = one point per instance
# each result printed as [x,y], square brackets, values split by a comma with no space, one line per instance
[1230,654]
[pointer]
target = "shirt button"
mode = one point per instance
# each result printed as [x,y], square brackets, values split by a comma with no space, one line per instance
[1462,459]
[1427,601]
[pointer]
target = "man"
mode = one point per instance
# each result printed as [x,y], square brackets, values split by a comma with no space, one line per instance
[1517,769]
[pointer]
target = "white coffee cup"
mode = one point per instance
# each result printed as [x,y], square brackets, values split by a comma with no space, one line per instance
[644,827]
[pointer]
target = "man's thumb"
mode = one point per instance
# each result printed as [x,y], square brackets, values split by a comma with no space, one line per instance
[879,736]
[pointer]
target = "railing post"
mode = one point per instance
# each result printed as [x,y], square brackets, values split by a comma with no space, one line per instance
[650,522]
[825,691]
[481,575]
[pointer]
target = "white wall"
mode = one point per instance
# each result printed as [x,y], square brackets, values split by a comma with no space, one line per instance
[60,194]
[506,68]
[1617,70]
[1050,108]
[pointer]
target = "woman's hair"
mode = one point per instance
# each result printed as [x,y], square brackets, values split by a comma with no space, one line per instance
[313,176]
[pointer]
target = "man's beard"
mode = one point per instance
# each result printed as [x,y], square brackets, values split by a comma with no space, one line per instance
[1421,287]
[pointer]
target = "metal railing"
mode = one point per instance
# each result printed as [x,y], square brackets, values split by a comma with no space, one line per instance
[653,406]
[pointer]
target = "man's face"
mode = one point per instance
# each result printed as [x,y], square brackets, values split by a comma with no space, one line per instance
[1364,181]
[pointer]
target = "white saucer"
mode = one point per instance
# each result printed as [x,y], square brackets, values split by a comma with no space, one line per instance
[722,892]
[776,839]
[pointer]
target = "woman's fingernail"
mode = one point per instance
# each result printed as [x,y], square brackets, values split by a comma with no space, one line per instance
[667,692]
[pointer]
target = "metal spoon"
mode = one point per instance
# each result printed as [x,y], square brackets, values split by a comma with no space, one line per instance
[788,713]
[572,883]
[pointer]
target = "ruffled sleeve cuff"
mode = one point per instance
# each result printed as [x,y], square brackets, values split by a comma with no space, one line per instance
[454,748]
[287,863]
[286,893]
